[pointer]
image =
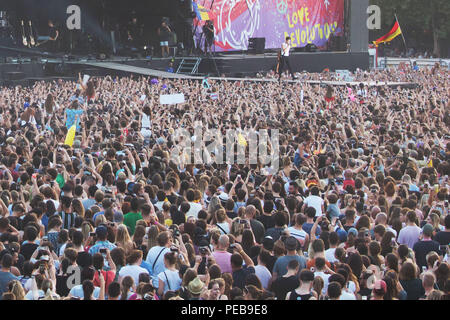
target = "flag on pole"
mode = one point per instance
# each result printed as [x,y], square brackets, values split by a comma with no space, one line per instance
[391,35]
[201,12]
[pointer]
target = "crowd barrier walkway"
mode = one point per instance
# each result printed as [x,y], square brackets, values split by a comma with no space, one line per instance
[168,75]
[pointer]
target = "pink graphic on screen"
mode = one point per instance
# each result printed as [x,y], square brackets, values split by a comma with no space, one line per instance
[305,21]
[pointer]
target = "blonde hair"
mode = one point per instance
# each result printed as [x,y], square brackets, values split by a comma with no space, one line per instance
[86,228]
[78,207]
[123,238]
[237,228]
[203,184]
[101,219]
[435,295]
[17,290]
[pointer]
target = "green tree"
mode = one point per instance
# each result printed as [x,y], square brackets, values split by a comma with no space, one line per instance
[424,21]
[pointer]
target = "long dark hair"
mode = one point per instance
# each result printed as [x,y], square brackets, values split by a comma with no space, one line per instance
[88,289]
[49,103]
[125,287]
[90,89]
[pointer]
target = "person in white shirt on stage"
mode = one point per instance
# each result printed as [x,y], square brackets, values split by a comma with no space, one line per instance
[284,58]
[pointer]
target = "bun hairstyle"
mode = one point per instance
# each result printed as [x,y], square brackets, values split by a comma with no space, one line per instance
[171,258]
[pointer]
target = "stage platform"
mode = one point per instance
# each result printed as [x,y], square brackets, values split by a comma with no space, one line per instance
[229,64]
[232,67]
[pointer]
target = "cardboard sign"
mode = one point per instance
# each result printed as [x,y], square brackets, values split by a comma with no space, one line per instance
[171,98]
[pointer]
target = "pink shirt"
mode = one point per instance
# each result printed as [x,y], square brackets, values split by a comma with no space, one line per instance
[223,259]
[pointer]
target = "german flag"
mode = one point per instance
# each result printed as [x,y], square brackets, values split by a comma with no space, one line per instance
[395,31]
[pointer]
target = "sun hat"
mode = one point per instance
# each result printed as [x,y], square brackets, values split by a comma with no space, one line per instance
[196,286]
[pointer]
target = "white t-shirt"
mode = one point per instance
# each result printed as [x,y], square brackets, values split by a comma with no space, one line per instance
[329,255]
[159,265]
[77,291]
[263,275]
[133,271]
[316,202]
[225,226]
[347,296]
[325,277]
[300,235]
[173,278]
[351,287]
[29,295]
[159,205]
[146,123]
[193,211]
[285,49]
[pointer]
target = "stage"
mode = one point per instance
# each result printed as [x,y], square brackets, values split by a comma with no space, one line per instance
[23,64]
[242,68]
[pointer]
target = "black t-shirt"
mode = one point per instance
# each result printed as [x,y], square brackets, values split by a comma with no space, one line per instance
[281,286]
[207,31]
[414,289]
[365,292]
[275,233]
[442,237]
[231,214]
[172,198]
[61,285]
[28,249]
[258,230]
[240,276]
[271,263]
[135,30]
[267,221]
[421,249]
[52,32]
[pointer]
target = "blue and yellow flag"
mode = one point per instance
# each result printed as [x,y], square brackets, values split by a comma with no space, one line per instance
[201,12]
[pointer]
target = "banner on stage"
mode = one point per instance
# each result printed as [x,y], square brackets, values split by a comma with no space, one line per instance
[305,21]
[171,98]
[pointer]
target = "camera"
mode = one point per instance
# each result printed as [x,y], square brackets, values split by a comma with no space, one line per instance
[42,267]
[103,250]
[203,251]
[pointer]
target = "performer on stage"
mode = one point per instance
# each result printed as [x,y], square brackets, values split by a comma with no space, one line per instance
[208,31]
[164,32]
[53,34]
[135,32]
[284,59]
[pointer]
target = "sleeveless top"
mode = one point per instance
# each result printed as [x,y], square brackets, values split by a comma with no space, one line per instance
[295,296]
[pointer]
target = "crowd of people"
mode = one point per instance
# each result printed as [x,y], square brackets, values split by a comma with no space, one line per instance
[357,210]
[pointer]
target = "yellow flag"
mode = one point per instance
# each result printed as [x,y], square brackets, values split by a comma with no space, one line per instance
[241,140]
[70,136]
[430,163]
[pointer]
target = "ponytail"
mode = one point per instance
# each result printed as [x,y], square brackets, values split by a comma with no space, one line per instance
[127,283]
